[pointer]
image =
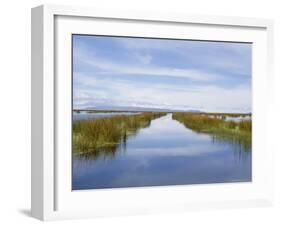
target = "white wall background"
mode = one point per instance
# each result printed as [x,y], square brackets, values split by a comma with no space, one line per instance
[15,115]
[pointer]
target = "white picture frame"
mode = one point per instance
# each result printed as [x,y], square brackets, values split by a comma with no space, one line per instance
[51,196]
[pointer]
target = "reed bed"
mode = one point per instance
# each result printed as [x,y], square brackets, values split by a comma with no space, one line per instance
[219,115]
[104,135]
[237,132]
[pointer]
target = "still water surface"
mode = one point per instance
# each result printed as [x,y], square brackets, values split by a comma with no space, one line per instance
[165,153]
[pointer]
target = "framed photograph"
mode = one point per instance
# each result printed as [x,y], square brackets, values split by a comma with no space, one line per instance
[137,112]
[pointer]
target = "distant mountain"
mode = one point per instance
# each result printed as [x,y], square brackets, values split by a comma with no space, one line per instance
[136,109]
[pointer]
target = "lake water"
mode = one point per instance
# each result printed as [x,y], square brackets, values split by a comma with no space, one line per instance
[238,119]
[165,153]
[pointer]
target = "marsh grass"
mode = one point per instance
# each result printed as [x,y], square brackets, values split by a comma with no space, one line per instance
[104,135]
[221,115]
[235,132]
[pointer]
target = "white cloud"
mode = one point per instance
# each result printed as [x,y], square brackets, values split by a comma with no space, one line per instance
[143,58]
[126,93]
[109,66]
[235,57]
[94,90]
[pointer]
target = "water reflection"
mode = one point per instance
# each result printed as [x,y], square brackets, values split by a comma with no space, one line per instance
[165,153]
[241,147]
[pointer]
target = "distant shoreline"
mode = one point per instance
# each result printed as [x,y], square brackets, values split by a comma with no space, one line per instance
[161,110]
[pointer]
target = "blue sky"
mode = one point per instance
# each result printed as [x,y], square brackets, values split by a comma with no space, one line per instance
[160,73]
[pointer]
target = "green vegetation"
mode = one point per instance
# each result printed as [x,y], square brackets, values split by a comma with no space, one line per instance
[224,115]
[104,135]
[236,132]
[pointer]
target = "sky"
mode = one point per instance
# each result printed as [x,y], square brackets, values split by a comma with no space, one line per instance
[114,72]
